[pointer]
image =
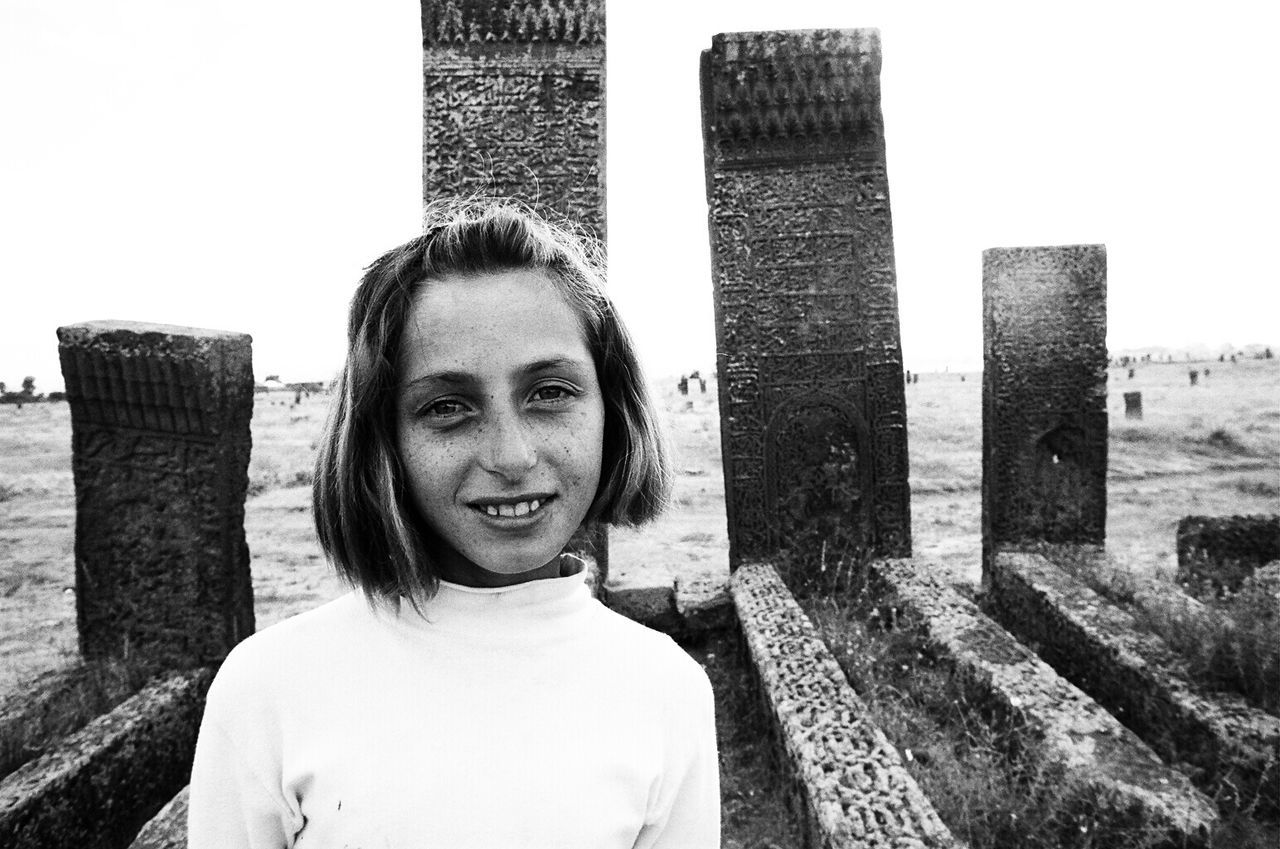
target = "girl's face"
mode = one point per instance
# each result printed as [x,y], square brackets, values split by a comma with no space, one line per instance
[500,423]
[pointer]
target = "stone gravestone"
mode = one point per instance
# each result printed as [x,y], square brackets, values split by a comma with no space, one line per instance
[812,398]
[1133,405]
[1044,392]
[513,105]
[160,455]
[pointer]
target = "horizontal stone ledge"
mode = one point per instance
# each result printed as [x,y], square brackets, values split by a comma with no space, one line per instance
[167,829]
[852,787]
[1135,674]
[682,608]
[1095,752]
[104,782]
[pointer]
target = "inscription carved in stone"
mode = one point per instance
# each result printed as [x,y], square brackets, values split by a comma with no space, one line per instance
[813,411]
[513,103]
[1044,416]
[160,456]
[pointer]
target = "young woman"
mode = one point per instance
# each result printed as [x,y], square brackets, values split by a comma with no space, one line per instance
[470,692]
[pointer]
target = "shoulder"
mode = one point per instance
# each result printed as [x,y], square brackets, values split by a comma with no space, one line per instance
[276,655]
[652,654]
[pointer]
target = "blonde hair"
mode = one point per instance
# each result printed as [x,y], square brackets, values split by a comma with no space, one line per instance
[364,518]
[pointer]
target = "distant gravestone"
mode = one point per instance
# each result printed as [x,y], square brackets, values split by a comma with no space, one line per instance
[160,455]
[812,398]
[1044,447]
[1133,405]
[514,105]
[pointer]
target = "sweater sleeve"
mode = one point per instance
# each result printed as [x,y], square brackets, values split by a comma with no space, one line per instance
[234,802]
[688,815]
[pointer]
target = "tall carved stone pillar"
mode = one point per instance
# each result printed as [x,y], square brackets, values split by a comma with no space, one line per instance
[1044,396]
[513,105]
[812,403]
[160,455]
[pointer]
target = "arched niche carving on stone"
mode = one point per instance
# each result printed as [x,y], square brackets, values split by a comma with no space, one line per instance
[1060,483]
[818,477]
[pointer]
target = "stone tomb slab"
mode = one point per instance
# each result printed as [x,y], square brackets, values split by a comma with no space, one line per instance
[812,403]
[160,456]
[1044,394]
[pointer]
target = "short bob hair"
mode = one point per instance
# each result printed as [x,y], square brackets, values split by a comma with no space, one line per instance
[364,516]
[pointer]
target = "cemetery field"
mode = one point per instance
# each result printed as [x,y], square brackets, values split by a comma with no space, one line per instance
[1211,449]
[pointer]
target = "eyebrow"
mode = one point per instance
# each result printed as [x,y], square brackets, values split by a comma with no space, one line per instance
[461,378]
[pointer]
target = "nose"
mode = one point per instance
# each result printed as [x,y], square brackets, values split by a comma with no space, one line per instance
[508,448]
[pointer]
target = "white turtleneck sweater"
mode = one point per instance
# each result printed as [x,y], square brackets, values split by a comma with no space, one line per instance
[525,716]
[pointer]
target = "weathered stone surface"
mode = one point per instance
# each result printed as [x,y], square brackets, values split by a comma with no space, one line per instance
[1044,383]
[1136,676]
[849,784]
[684,608]
[514,103]
[167,829]
[514,106]
[107,780]
[703,604]
[1094,751]
[160,455]
[813,412]
[652,605]
[1217,553]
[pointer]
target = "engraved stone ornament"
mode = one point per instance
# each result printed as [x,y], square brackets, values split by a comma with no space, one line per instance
[160,456]
[813,409]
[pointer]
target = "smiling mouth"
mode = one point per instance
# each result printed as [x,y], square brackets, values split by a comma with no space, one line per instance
[512,509]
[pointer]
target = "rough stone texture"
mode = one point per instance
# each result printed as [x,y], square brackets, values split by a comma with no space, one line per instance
[514,105]
[1138,678]
[160,455]
[107,780]
[167,829]
[1220,552]
[1044,401]
[683,608]
[652,605]
[813,412]
[849,786]
[1095,753]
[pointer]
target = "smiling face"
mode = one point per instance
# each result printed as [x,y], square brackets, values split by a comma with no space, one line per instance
[500,423]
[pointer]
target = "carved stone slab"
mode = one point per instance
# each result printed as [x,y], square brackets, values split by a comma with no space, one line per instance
[1044,395]
[812,404]
[160,456]
[513,103]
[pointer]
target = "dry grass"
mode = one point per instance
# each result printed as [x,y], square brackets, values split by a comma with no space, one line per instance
[62,703]
[989,782]
[1229,644]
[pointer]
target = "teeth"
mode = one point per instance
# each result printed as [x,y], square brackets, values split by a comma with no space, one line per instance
[519,508]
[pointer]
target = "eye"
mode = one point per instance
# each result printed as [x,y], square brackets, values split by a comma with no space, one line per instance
[553,392]
[443,409]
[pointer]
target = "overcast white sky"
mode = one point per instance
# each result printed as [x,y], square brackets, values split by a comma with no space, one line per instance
[235,164]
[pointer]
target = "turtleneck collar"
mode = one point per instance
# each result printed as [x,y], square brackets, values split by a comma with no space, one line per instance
[543,608]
